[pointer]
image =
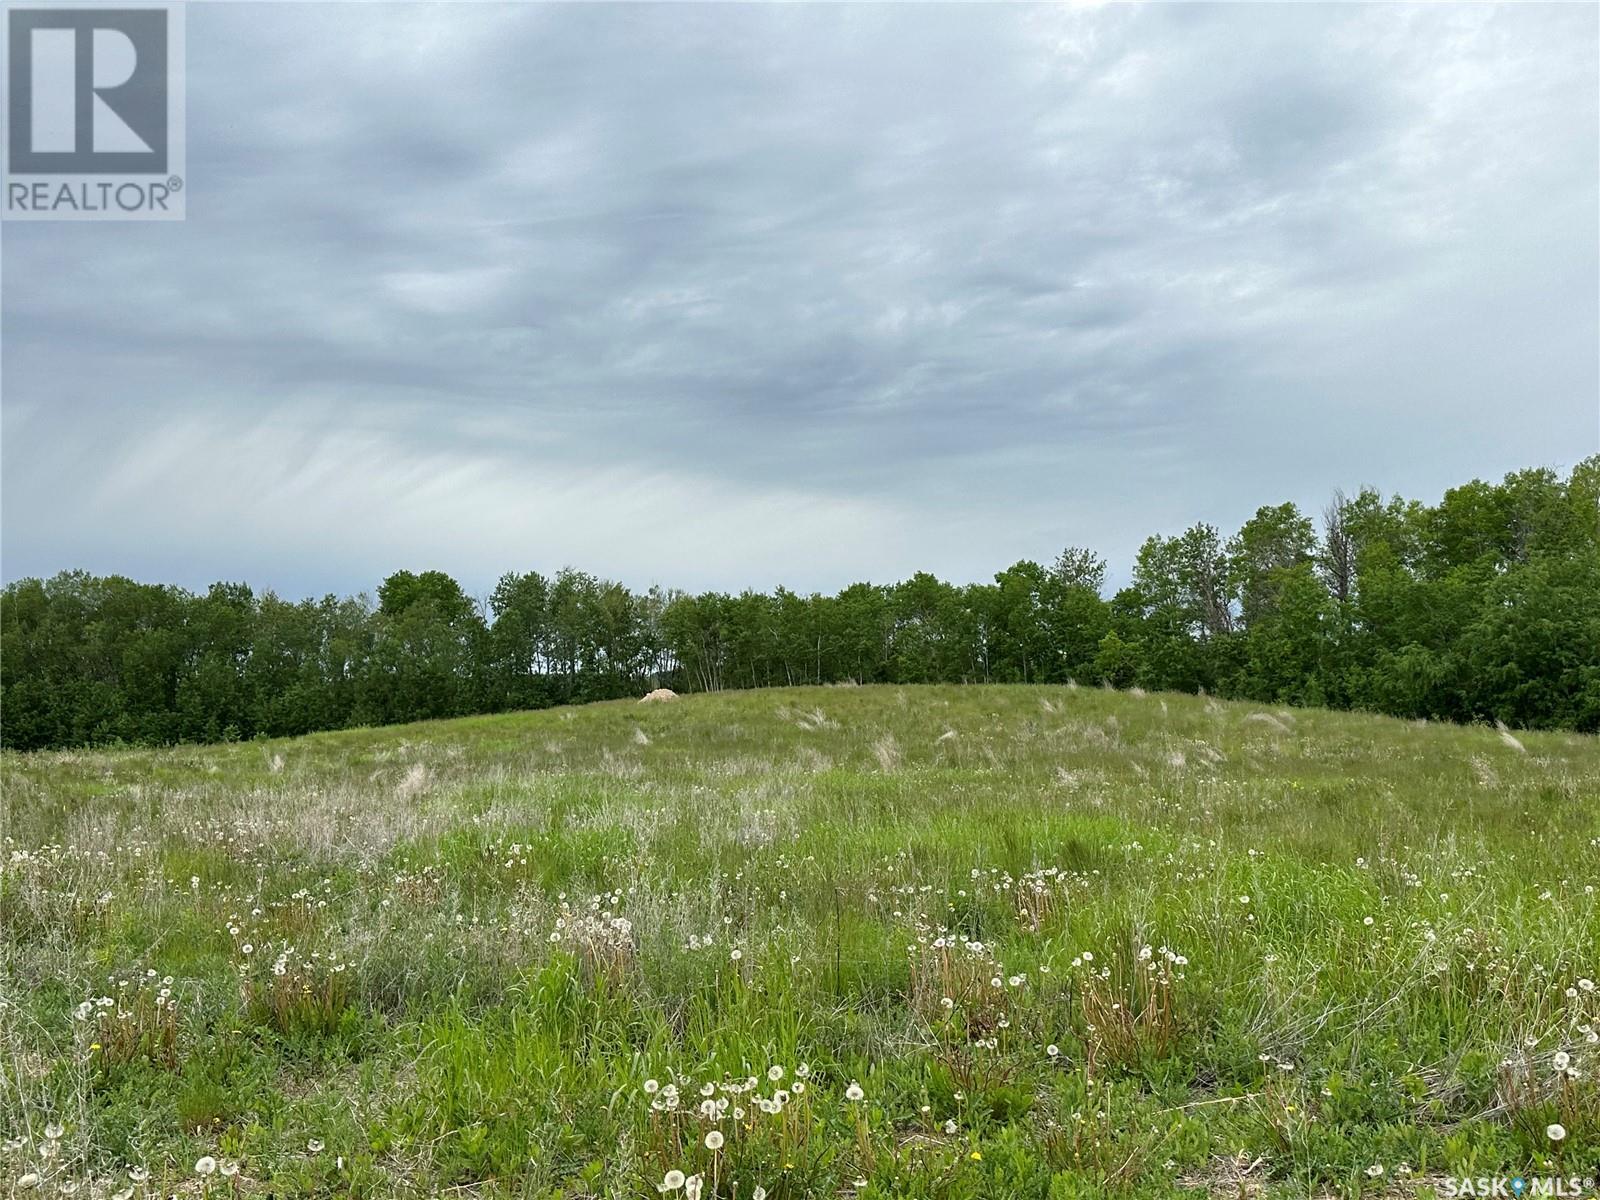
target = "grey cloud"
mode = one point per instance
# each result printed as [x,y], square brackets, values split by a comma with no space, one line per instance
[806,293]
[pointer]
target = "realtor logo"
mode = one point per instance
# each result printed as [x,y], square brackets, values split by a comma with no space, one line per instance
[94,121]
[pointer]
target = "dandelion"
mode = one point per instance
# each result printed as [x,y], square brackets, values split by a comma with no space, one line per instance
[1366,920]
[1375,1170]
[315,1145]
[1555,1132]
[1053,1050]
[651,1087]
[774,1073]
[950,1125]
[1586,985]
[1562,1060]
[736,954]
[714,1140]
[854,1093]
[53,1131]
[759,1194]
[976,1156]
[228,1169]
[671,1181]
[28,1182]
[692,1187]
[205,1165]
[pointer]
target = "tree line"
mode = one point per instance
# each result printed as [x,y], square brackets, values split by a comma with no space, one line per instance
[1485,606]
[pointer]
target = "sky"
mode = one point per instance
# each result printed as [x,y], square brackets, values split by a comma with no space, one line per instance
[726,297]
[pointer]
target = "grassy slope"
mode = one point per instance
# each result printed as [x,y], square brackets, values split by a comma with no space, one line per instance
[829,836]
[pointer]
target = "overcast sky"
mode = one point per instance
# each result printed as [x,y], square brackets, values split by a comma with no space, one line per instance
[727,296]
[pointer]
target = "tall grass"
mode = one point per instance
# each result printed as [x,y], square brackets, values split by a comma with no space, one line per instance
[941,941]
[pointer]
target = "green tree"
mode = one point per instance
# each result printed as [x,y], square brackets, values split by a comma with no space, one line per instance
[1262,555]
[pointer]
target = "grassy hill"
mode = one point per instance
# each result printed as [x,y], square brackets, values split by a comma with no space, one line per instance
[942,941]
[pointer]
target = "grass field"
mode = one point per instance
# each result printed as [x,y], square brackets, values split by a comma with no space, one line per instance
[922,942]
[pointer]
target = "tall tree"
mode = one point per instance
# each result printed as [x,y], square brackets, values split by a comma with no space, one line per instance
[1260,556]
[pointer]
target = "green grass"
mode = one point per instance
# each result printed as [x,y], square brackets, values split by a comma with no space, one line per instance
[1273,952]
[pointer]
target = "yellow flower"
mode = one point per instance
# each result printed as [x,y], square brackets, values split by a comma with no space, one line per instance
[94,1046]
[975,1156]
